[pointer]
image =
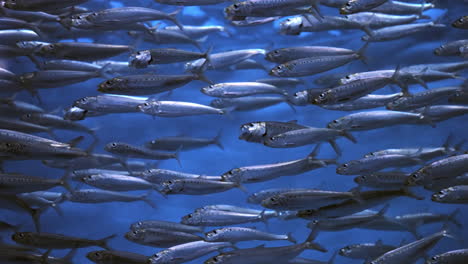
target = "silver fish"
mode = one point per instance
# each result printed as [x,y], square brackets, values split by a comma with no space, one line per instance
[142,59]
[240,89]
[184,143]
[461,23]
[187,252]
[444,168]
[411,252]
[452,257]
[11,36]
[196,186]
[70,65]
[365,250]
[248,103]
[378,20]
[451,49]
[400,31]
[378,119]
[19,183]
[258,197]
[55,122]
[293,53]
[157,224]
[178,109]
[439,113]
[238,234]
[212,217]
[159,176]
[190,2]
[383,179]
[93,196]
[57,241]
[365,102]
[377,163]
[109,103]
[424,98]
[81,50]
[42,5]
[117,182]
[160,237]
[112,256]
[403,8]
[197,32]
[165,36]
[130,151]
[223,59]
[298,24]
[454,195]
[356,6]
[260,131]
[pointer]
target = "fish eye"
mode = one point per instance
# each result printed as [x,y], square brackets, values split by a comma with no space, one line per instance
[345,165]
[322,95]
[276,52]
[273,199]
[109,82]
[335,121]
[363,177]
[315,222]
[97,254]
[348,4]
[414,176]
[21,235]
[251,125]
[146,104]
[235,6]
[189,216]
[215,232]
[348,77]
[156,255]
[114,144]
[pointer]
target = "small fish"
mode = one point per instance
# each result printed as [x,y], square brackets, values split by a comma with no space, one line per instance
[94,196]
[383,179]
[411,252]
[453,257]
[190,2]
[159,176]
[43,5]
[129,151]
[444,168]
[57,241]
[258,197]
[214,217]
[147,84]
[70,65]
[307,199]
[282,82]
[248,103]
[83,51]
[365,102]
[19,183]
[222,59]
[186,252]
[117,182]
[160,237]
[55,122]
[238,234]
[400,31]
[437,185]
[89,161]
[376,163]
[314,65]
[197,32]
[356,6]
[451,49]
[142,59]
[461,23]
[114,257]
[403,8]
[109,103]
[365,250]
[196,186]
[157,224]
[439,113]
[378,20]
[454,195]
[178,109]
[306,136]
[293,53]
[240,89]
[418,219]
[260,173]
[262,130]
[57,78]
[424,98]
[378,119]
[184,143]
[11,36]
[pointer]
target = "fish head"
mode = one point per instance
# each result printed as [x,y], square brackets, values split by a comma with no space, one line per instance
[218,259]
[149,107]
[29,117]
[253,132]
[23,238]
[300,98]
[162,257]
[279,140]
[172,186]
[349,78]
[74,113]
[134,235]
[280,70]
[440,50]
[140,59]
[347,168]
[306,213]
[212,90]
[362,179]
[238,9]
[346,251]
[89,178]
[85,101]
[234,175]
[445,195]
[194,66]
[340,123]
[213,235]
[98,256]
[116,147]
[191,219]
[275,55]
[291,26]
[252,198]
[416,178]
[323,98]
[352,6]
[461,22]
[48,50]
[435,259]
[274,201]
[112,85]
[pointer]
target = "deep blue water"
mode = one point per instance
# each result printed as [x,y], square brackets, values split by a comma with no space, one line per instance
[97,221]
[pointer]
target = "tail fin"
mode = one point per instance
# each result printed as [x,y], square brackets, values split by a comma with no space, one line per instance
[452,218]
[174,19]
[361,53]
[216,140]
[207,54]
[309,244]
[382,211]
[104,242]
[145,199]
[335,147]
[103,72]
[177,155]
[291,238]
[314,152]
[348,135]
[65,181]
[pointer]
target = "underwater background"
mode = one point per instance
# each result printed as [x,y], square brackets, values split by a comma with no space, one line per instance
[100,220]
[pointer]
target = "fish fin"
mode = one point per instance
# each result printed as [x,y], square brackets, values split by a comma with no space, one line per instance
[65,181]
[145,199]
[452,218]
[174,19]
[349,136]
[315,11]
[382,211]
[217,139]
[69,256]
[104,241]
[292,121]
[103,71]
[314,152]
[241,187]
[291,238]
[356,193]
[315,246]
[177,155]
[45,256]
[361,53]
[75,141]
[335,147]
[207,54]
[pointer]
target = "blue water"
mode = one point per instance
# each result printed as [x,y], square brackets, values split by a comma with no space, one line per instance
[97,221]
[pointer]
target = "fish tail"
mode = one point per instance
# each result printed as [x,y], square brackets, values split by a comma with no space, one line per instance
[207,54]
[177,155]
[65,181]
[315,246]
[452,218]
[104,71]
[361,53]
[382,211]
[335,147]
[104,241]
[217,139]
[290,238]
[315,151]
[145,198]
[349,136]
[174,19]
[241,187]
